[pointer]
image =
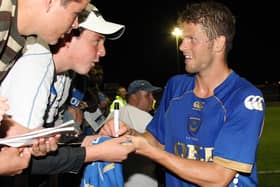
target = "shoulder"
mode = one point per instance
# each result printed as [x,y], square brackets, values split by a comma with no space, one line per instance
[41,68]
[244,88]
[250,95]
[36,47]
[236,87]
[36,56]
[245,95]
[180,79]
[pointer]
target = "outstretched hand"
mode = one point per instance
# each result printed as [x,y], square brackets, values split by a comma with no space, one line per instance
[40,147]
[140,143]
[112,150]
[145,144]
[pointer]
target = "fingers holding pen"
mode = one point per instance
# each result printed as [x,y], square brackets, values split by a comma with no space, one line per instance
[109,129]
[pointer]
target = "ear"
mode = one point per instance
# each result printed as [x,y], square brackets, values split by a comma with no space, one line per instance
[49,4]
[219,44]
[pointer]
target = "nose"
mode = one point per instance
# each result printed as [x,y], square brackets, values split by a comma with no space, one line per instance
[185,45]
[102,51]
[181,46]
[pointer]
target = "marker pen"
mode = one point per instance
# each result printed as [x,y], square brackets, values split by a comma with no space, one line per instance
[116,118]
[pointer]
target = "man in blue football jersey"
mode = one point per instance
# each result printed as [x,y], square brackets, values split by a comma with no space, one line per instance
[207,128]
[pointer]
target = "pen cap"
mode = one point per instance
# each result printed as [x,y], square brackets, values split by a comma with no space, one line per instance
[116,106]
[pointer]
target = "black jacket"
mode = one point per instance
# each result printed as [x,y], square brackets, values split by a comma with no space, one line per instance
[66,159]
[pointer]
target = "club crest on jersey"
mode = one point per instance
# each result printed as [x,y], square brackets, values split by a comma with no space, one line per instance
[254,102]
[194,124]
[197,105]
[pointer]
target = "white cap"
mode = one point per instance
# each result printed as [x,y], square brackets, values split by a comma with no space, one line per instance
[95,22]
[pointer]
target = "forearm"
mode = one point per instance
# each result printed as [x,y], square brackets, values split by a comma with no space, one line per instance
[94,153]
[198,172]
[65,159]
[152,140]
[90,154]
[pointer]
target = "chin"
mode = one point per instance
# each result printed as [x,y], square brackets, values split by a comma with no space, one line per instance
[52,42]
[83,72]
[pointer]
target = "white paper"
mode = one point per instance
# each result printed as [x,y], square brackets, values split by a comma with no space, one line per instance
[95,119]
[28,138]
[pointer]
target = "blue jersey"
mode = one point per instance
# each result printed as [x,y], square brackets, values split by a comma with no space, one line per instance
[224,128]
[101,173]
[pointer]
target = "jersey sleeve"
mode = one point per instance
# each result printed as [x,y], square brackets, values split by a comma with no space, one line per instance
[175,86]
[237,142]
[156,126]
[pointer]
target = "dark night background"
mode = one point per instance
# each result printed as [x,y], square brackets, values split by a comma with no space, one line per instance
[147,50]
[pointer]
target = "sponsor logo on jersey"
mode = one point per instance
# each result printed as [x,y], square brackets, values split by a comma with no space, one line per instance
[193,124]
[194,152]
[254,102]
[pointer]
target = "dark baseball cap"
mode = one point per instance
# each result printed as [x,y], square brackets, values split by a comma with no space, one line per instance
[137,85]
